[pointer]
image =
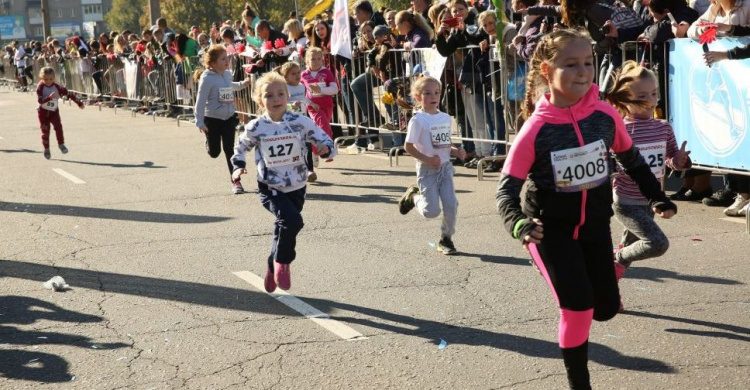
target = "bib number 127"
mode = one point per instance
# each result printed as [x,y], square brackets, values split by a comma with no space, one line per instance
[280,150]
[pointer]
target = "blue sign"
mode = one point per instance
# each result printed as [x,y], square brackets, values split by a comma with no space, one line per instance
[12,27]
[708,106]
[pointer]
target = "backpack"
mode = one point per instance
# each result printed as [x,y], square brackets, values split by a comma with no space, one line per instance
[623,16]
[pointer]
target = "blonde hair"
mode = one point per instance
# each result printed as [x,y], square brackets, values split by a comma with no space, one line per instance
[294,28]
[312,50]
[262,84]
[284,69]
[620,96]
[417,88]
[417,21]
[484,15]
[546,51]
[46,71]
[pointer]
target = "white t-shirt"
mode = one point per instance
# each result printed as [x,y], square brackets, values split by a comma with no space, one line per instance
[430,134]
[297,94]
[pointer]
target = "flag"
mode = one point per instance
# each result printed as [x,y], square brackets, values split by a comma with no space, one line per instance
[340,38]
[500,16]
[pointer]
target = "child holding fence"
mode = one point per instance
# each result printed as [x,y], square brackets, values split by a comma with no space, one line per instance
[635,94]
[321,87]
[298,103]
[563,151]
[48,94]
[214,108]
[279,138]
[428,139]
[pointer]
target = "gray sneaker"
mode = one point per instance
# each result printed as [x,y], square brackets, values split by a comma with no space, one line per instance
[47,154]
[63,149]
[737,209]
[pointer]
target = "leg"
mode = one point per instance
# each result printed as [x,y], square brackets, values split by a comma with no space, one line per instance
[596,244]
[428,201]
[448,199]
[469,112]
[649,241]
[213,137]
[480,123]
[44,124]
[287,208]
[227,140]
[54,119]
[560,259]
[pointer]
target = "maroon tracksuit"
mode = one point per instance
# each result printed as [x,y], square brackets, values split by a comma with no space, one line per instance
[49,112]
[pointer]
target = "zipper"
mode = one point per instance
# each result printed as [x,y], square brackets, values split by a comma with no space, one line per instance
[584,193]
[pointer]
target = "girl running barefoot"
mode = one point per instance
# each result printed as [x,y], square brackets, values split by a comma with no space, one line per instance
[214,109]
[635,94]
[48,94]
[279,138]
[321,86]
[298,103]
[563,151]
[429,140]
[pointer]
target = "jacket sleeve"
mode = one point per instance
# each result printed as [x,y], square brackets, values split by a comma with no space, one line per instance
[200,102]
[246,141]
[636,167]
[39,90]
[739,52]
[545,10]
[70,95]
[707,16]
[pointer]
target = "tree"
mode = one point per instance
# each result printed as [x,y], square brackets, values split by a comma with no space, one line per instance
[396,5]
[127,15]
[181,14]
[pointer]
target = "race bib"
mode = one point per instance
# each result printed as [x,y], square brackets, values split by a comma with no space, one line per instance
[281,150]
[226,94]
[581,168]
[441,135]
[51,105]
[654,154]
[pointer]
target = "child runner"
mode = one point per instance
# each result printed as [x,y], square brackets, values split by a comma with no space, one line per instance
[428,139]
[635,94]
[279,137]
[563,151]
[48,94]
[298,103]
[321,86]
[214,109]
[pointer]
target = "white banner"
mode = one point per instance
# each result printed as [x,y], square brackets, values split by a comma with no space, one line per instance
[341,43]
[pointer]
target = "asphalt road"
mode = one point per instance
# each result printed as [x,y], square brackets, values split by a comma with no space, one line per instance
[160,257]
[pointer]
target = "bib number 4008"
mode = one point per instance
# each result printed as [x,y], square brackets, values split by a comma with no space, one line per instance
[579,172]
[280,150]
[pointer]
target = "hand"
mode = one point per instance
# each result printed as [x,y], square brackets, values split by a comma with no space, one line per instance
[315,88]
[54,95]
[535,235]
[682,156]
[323,150]
[203,129]
[460,153]
[444,29]
[612,33]
[237,173]
[407,46]
[664,214]
[433,161]
[680,30]
[314,106]
[247,82]
[518,40]
[715,56]
[260,63]
[642,38]
[723,27]
[484,45]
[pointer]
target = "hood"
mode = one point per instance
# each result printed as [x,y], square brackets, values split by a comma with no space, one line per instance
[582,109]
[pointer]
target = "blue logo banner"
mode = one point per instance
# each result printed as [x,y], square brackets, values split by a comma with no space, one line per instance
[708,106]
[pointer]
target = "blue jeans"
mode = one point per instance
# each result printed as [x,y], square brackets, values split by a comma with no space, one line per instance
[496,121]
[287,207]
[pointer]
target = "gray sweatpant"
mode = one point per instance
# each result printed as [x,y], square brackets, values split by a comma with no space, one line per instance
[435,186]
[642,238]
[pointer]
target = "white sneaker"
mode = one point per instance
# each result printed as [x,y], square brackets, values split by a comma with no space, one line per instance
[311,177]
[738,208]
[744,211]
[316,161]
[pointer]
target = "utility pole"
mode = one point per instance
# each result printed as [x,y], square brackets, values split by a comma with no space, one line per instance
[154,10]
[47,30]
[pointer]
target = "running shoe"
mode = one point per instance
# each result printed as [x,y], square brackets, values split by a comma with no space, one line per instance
[619,270]
[282,275]
[311,177]
[268,283]
[694,196]
[492,167]
[47,154]
[737,208]
[237,187]
[680,194]
[406,203]
[63,149]
[316,161]
[720,198]
[446,246]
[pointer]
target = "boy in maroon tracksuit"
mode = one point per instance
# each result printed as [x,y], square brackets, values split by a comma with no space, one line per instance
[48,95]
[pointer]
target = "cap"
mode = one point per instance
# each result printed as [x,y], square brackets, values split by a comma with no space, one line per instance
[380,30]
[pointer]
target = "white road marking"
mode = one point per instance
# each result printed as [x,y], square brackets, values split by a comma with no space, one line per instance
[296,304]
[68,176]
[734,219]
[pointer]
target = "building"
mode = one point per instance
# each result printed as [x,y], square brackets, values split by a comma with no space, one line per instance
[67,18]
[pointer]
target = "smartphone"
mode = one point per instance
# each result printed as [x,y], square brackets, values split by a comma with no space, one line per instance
[451,22]
[671,18]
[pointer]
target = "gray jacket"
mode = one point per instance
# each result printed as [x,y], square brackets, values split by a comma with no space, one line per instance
[211,102]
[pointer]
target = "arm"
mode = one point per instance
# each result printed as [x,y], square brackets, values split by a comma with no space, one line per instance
[545,10]
[62,91]
[739,52]
[246,141]
[41,99]
[332,88]
[659,32]
[630,34]
[316,136]
[200,103]
[707,16]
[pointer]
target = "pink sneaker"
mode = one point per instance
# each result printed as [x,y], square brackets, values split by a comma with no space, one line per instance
[619,270]
[268,282]
[283,275]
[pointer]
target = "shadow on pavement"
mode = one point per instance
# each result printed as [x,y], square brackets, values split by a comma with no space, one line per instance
[18,151]
[352,198]
[33,365]
[658,275]
[743,335]
[92,212]
[145,164]
[396,189]
[496,259]
[373,172]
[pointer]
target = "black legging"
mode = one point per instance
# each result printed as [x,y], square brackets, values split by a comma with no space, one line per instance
[221,136]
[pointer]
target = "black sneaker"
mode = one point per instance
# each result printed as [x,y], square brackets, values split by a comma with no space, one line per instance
[720,198]
[492,167]
[406,203]
[679,195]
[63,149]
[446,246]
[47,154]
[694,196]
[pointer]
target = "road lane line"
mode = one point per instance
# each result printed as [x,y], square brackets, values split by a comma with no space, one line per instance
[296,304]
[68,176]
